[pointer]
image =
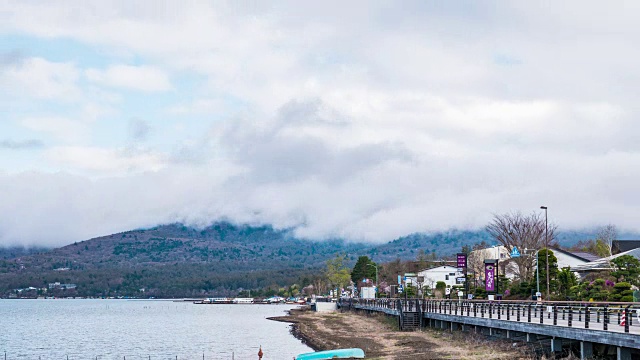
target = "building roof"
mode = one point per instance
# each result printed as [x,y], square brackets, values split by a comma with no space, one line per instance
[603,264]
[586,257]
[618,246]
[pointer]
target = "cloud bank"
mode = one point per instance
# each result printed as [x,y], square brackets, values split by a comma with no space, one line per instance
[365,122]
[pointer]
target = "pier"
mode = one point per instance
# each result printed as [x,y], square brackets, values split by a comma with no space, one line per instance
[587,328]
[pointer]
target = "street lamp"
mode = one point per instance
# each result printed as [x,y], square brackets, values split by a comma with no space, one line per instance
[497,247]
[546,241]
[375,266]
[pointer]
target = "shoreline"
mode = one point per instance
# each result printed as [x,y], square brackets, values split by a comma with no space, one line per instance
[378,336]
[295,327]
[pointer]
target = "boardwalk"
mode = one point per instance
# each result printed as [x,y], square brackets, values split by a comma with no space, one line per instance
[608,324]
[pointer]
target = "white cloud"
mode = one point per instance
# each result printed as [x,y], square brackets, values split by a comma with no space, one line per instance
[106,161]
[40,78]
[363,124]
[62,129]
[143,78]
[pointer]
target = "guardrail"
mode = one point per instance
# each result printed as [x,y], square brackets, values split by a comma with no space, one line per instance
[607,316]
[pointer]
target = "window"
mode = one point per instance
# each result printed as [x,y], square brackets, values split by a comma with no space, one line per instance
[446,277]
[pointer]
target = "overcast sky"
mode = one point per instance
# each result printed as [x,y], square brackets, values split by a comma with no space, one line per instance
[365,121]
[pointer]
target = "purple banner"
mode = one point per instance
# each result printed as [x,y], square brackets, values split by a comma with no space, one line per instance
[462,261]
[489,276]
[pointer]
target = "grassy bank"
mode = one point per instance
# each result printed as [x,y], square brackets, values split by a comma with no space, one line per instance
[379,337]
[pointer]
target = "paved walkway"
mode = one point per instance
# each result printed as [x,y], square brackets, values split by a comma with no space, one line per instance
[613,326]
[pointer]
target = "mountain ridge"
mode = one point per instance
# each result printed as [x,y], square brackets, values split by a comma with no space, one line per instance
[178,260]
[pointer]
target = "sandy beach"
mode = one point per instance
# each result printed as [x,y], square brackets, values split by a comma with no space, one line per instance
[377,335]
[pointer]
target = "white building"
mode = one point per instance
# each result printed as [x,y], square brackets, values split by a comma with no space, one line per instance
[571,259]
[445,273]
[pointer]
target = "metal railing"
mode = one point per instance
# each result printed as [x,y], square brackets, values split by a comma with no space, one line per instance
[608,316]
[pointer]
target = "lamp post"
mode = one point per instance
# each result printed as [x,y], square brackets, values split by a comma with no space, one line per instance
[376,267]
[546,242]
[497,247]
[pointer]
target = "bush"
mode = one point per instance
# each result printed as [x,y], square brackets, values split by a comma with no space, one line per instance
[621,292]
[480,293]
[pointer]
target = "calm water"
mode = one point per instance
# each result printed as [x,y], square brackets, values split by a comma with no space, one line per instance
[137,329]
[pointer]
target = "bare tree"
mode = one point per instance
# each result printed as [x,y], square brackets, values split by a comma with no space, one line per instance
[527,233]
[475,260]
[604,240]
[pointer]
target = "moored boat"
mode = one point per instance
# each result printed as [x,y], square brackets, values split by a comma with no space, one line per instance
[353,353]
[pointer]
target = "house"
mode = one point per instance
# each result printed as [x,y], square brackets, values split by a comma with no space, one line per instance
[572,259]
[57,285]
[475,261]
[603,263]
[509,268]
[448,274]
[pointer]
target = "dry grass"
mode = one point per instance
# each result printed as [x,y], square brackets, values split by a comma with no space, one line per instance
[379,337]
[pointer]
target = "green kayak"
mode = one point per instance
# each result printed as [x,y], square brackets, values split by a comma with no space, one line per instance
[354,353]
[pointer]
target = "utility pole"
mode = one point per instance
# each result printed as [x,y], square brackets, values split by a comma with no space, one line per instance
[546,241]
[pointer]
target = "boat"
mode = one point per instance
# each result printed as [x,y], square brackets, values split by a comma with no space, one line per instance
[214,301]
[353,353]
[243,300]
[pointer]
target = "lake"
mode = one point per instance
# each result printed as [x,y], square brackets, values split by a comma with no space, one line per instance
[139,329]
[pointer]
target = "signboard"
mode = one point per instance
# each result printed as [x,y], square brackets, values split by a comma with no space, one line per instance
[447,291]
[489,276]
[515,253]
[399,279]
[461,280]
[462,261]
[367,293]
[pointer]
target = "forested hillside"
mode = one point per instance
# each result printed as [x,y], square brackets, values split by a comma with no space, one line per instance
[176,260]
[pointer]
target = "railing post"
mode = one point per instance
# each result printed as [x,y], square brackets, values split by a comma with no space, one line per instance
[529,313]
[605,318]
[626,319]
[490,310]
[475,309]
[518,312]
[555,315]
[579,314]
[541,314]
[597,315]
[508,313]
[499,308]
[587,316]
[570,315]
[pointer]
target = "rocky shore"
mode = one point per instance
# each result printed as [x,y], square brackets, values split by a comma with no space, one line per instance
[378,336]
